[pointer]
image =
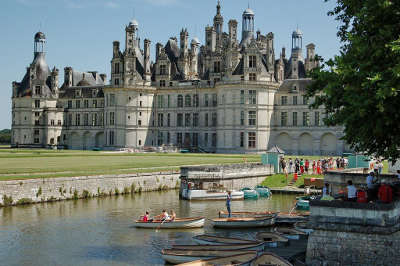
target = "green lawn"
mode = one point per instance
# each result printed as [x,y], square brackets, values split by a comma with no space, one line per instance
[279,180]
[24,163]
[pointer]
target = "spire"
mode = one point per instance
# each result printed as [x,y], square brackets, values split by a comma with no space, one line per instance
[219,8]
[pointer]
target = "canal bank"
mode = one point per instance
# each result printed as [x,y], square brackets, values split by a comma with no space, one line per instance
[18,192]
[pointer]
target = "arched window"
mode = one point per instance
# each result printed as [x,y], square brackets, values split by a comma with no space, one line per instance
[188,101]
[180,100]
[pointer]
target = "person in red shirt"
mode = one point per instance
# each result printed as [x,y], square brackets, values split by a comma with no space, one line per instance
[307,165]
[385,193]
[145,218]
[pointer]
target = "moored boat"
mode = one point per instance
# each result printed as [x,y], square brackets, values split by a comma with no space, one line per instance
[217,240]
[244,222]
[241,259]
[224,214]
[240,247]
[303,205]
[197,194]
[268,258]
[303,226]
[249,193]
[178,223]
[272,239]
[176,256]
[290,233]
[290,218]
[263,191]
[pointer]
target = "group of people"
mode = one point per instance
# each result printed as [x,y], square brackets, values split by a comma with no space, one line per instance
[163,217]
[302,166]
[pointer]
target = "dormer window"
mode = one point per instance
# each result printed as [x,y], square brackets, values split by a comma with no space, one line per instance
[252,61]
[94,93]
[77,93]
[163,70]
[37,90]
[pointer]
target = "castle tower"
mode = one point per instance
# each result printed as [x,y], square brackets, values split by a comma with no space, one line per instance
[183,61]
[211,38]
[247,24]
[218,25]
[194,54]
[232,31]
[310,63]
[131,36]
[184,42]
[297,41]
[39,43]
[296,59]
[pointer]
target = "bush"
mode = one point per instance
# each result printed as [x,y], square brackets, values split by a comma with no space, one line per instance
[85,194]
[24,201]
[7,201]
[75,197]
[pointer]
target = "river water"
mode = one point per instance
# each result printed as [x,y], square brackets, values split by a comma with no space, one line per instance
[99,231]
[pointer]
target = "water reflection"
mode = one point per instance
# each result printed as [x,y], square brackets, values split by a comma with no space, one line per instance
[99,231]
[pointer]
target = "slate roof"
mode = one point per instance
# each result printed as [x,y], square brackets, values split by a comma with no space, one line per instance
[289,84]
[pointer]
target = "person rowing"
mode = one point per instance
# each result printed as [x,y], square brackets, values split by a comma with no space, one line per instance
[173,216]
[145,218]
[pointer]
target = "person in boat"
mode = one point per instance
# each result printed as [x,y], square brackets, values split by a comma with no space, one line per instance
[173,216]
[228,203]
[351,191]
[164,216]
[146,217]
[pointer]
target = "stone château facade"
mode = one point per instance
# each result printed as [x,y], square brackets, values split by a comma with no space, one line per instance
[226,96]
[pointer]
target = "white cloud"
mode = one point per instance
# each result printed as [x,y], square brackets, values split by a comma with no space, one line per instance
[162,2]
[111,4]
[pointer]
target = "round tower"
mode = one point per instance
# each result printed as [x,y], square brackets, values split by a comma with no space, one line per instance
[39,42]
[297,40]
[248,24]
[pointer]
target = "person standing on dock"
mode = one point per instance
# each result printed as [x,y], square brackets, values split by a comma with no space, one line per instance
[228,203]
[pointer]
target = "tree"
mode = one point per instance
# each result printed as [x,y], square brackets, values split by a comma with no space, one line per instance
[360,88]
[5,136]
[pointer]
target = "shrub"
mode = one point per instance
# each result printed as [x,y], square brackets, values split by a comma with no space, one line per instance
[85,194]
[24,201]
[39,192]
[76,196]
[116,191]
[126,190]
[7,201]
[133,188]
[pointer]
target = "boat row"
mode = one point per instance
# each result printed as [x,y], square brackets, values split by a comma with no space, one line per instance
[258,191]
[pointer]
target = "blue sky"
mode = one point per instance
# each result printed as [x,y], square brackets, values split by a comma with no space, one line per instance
[80,32]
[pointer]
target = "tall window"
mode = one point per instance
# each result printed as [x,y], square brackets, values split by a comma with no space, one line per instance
[214,100]
[160,101]
[284,119]
[283,100]
[160,138]
[252,76]
[168,137]
[294,100]
[77,120]
[112,118]
[94,103]
[101,119]
[179,120]
[187,120]
[252,97]
[214,140]
[241,139]
[37,103]
[195,120]
[112,99]
[86,119]
[86,103]
[69,104]
[111,138]
[94,119]
[242,97]
[242,118]
[206,100]
[217,66]
[116,68]
[180,100]
[162,83]
[78,104]
[179,138]
[70,119]
[116,82]
[168,120]
[214,119]
[160,120]
[206,119]
[195,139]
[196,100]
[294,118]
[188,101]
[37,90]
[252,118]
[252,61]
[163,70]
[316,118]
[206,139]
[169,101]
[305,100]
[252,140]
[306,119]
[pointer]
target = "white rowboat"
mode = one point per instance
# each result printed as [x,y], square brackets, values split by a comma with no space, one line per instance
[244,214]
[176,256]
[268,258]
[239,247]
[242,260]
[272,240]
[216,240]
[178,223]
[248,222]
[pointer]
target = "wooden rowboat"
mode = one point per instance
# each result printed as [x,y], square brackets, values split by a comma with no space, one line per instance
[224,214]
[178,223]
[290,218]
[290,233]
[248,222]
[176,256]
[268,258]
[216,240]
[303,227]
[239,247]
[272,240]
[241,259]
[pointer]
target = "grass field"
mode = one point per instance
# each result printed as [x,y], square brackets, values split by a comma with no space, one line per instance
[279,180]
[23,163]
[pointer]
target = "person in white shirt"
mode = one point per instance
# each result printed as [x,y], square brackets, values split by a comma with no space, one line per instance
[351,191]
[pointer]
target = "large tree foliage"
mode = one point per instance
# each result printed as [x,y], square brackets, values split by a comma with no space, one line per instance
[5,136]
[360,88]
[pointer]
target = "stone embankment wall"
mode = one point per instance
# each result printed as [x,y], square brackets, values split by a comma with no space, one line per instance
[53,189]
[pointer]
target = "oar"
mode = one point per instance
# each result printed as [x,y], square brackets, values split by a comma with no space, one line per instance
[160,226]
[294,207]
